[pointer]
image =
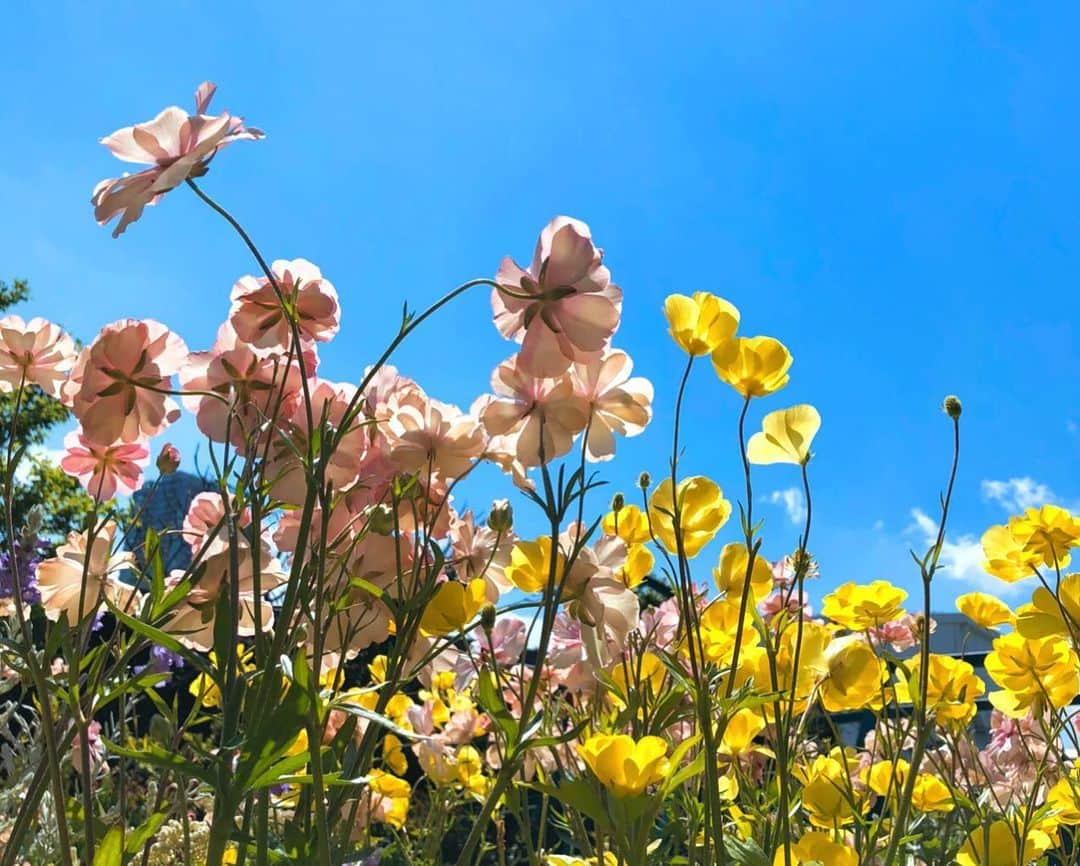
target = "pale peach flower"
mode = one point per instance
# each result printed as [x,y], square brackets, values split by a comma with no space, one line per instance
[617,403]
[168,459]
[176,145]
[116,389]
[105,470]
[60,579]
[257,314]
[533,411]
[427,433]
[250,387]
[34,353]
[193,619]
[564,308]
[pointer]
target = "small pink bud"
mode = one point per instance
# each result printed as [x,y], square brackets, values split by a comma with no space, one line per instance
[168,461]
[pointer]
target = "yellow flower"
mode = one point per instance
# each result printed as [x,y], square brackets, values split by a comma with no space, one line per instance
[1064,799]
[204,688]
[640,673]
[855,677]
[629,523]
[1048,532]
[718,626]
[995,845]
[1031,671]
[639,565]
[730,573]
[390,798]
[828,796]
[530,564]
[453,606]
[859,607]
[818,846]
[753,366]
[702,511]
[741,731]
[623,766]
[785,437]
[1044,616]
[701,323]
[813,665]
[952,687]
[930,794]
[984,610]
[886,778]
[394,755]
[1006,557]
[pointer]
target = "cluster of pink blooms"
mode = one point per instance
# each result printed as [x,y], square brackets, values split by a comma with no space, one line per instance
[259,391]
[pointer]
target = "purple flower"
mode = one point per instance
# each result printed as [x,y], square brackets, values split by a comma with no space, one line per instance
[29,551]
[162,661]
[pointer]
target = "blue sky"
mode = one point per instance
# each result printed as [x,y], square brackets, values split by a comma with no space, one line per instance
[891,190]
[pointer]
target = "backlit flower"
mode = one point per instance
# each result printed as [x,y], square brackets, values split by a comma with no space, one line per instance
[702,511]
[995,844]
[543,415]
[624,766]
[564,308]
[116,389]
[753,366]
[615,402]
[730,574]
[856,675]
[629,523]
[785,437]
[952,688]
[34,353]
[702,323]
[858,607]
[453,606]
[258,314]
[104,470]
[1048,532]
[1032,673]
[531,563]
[176,144]
[1050,613]
[984,610]
[1007,558]
[61,582]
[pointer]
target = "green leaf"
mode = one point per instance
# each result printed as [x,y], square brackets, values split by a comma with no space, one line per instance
[490,698]
[745,852]
[162,639]
[158,757]
[137,838]
[581,796]
[111,850]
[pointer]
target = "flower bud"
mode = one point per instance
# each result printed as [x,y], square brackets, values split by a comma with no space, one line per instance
[618,503]
[381,520]
[487,618]
[34,520]
[644,481]
[952,406]
[168,459]
[501,516]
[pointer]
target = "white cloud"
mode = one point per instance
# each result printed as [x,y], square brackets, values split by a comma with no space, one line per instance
[1018,494]
[792,500]
[961,557]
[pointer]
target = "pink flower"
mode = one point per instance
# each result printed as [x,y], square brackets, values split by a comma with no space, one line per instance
[168,459]
[617,403]
[564,308]
[34,353]
[532,409]
[105,470]
[116,387]
[259,319]
[204,515]
[176,145]
[95,749]
[507,640]
[479,551]
[250,385]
